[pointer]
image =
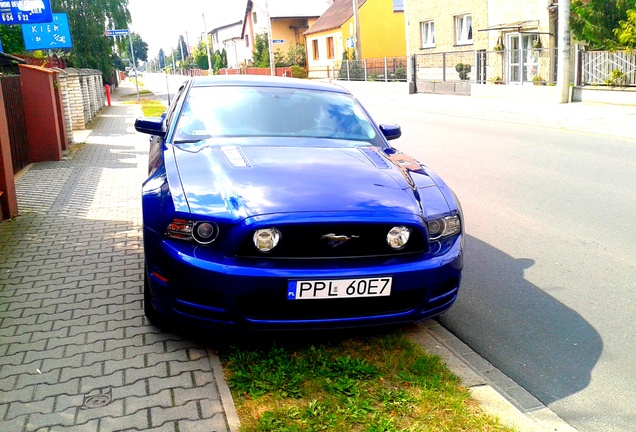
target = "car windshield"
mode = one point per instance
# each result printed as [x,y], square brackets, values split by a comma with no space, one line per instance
[233,111]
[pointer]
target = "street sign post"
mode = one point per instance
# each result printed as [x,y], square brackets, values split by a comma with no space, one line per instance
[25,12]
[126,32]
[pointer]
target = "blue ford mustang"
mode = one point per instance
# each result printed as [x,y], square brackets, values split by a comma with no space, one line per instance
[276,203]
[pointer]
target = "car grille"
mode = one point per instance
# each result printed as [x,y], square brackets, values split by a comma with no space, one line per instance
[309,241]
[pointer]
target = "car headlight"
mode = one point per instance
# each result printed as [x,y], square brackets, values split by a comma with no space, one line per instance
[444,227]
[398,236]
[266,239]
[183,229]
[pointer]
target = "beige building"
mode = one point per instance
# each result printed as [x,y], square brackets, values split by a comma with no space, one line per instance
[496,40]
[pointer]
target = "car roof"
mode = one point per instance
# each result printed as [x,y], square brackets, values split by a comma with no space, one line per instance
[265,81]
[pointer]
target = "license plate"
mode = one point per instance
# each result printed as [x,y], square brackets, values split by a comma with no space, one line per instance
[339,288]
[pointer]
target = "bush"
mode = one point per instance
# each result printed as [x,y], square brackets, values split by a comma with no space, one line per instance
[298,72]
[463,70]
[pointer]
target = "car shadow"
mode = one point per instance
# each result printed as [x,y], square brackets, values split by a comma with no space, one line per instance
[543,345]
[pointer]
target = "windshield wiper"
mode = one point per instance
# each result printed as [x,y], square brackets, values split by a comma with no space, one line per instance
[192,141]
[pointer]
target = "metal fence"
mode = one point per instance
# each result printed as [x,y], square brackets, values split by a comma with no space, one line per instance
[535,66]
[373,69]
[608,68]
[14,108]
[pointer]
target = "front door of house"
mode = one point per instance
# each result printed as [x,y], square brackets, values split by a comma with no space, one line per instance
[522,61]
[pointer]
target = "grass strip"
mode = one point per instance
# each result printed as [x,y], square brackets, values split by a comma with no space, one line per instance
[368,383]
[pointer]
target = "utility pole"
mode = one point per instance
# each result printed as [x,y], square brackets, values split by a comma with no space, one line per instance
[181,47]
[356,21]
[207,45]
[272,65]
[564,64]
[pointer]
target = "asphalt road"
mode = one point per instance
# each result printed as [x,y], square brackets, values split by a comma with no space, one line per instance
[549,289]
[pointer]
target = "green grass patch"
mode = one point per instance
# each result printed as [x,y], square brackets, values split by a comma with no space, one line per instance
[152,107]
[370,383]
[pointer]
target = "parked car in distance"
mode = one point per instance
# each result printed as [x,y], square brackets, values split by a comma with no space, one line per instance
[278,203]
[133,73]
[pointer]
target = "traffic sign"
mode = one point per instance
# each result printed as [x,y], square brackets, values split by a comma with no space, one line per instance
[55,34]
[120,32]
[278,41]
[25,11]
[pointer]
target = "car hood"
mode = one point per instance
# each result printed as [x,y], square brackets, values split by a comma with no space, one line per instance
[237,181]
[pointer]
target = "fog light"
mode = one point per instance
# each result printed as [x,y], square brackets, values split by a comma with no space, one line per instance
[398,237]
[266,239]
[205,232]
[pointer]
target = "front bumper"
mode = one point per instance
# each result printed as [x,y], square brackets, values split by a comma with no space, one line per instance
[189,287]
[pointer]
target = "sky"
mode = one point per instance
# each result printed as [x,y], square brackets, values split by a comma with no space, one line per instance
[161,22]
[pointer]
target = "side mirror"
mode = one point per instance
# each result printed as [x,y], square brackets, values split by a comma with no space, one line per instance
[150,125]
[391,132]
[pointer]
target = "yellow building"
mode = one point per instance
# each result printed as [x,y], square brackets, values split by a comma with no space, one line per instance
[332,37]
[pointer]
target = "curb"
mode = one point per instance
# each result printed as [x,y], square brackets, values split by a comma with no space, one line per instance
[227,401]
[523,413]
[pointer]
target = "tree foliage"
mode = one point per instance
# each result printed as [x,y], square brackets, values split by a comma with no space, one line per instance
[11,37]
[161,59]
[626,32]
[182,47]
[87,21]
[594,21]
[260,57]
[200,55]
[140,48]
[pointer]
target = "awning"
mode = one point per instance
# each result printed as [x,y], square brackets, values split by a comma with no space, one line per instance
[517,25]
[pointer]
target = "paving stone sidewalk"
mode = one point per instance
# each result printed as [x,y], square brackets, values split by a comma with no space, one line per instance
[76,352]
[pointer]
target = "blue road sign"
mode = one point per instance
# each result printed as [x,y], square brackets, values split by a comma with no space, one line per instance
[25,11]
[48,36]
[121,32]
[278,41]
[1,49]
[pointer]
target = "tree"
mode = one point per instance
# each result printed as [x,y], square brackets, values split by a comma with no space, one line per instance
[11,37]
[626,32]
[181,47]
[161,59]
[594,21]
[260,57]
[200,55]
[87,21]
[140,48]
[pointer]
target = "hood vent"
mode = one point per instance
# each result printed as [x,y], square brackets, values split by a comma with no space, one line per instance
[235,156]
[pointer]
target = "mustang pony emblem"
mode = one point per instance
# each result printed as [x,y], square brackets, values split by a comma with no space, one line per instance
[337,240]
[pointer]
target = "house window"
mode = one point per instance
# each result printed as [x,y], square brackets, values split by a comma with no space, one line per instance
[247,41]
[398,5]
[254,20]
[463,29]
[314,46]
[330,49]
[427,29]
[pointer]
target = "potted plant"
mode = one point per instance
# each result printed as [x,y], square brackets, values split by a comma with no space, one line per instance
[538,80]
[499,46]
